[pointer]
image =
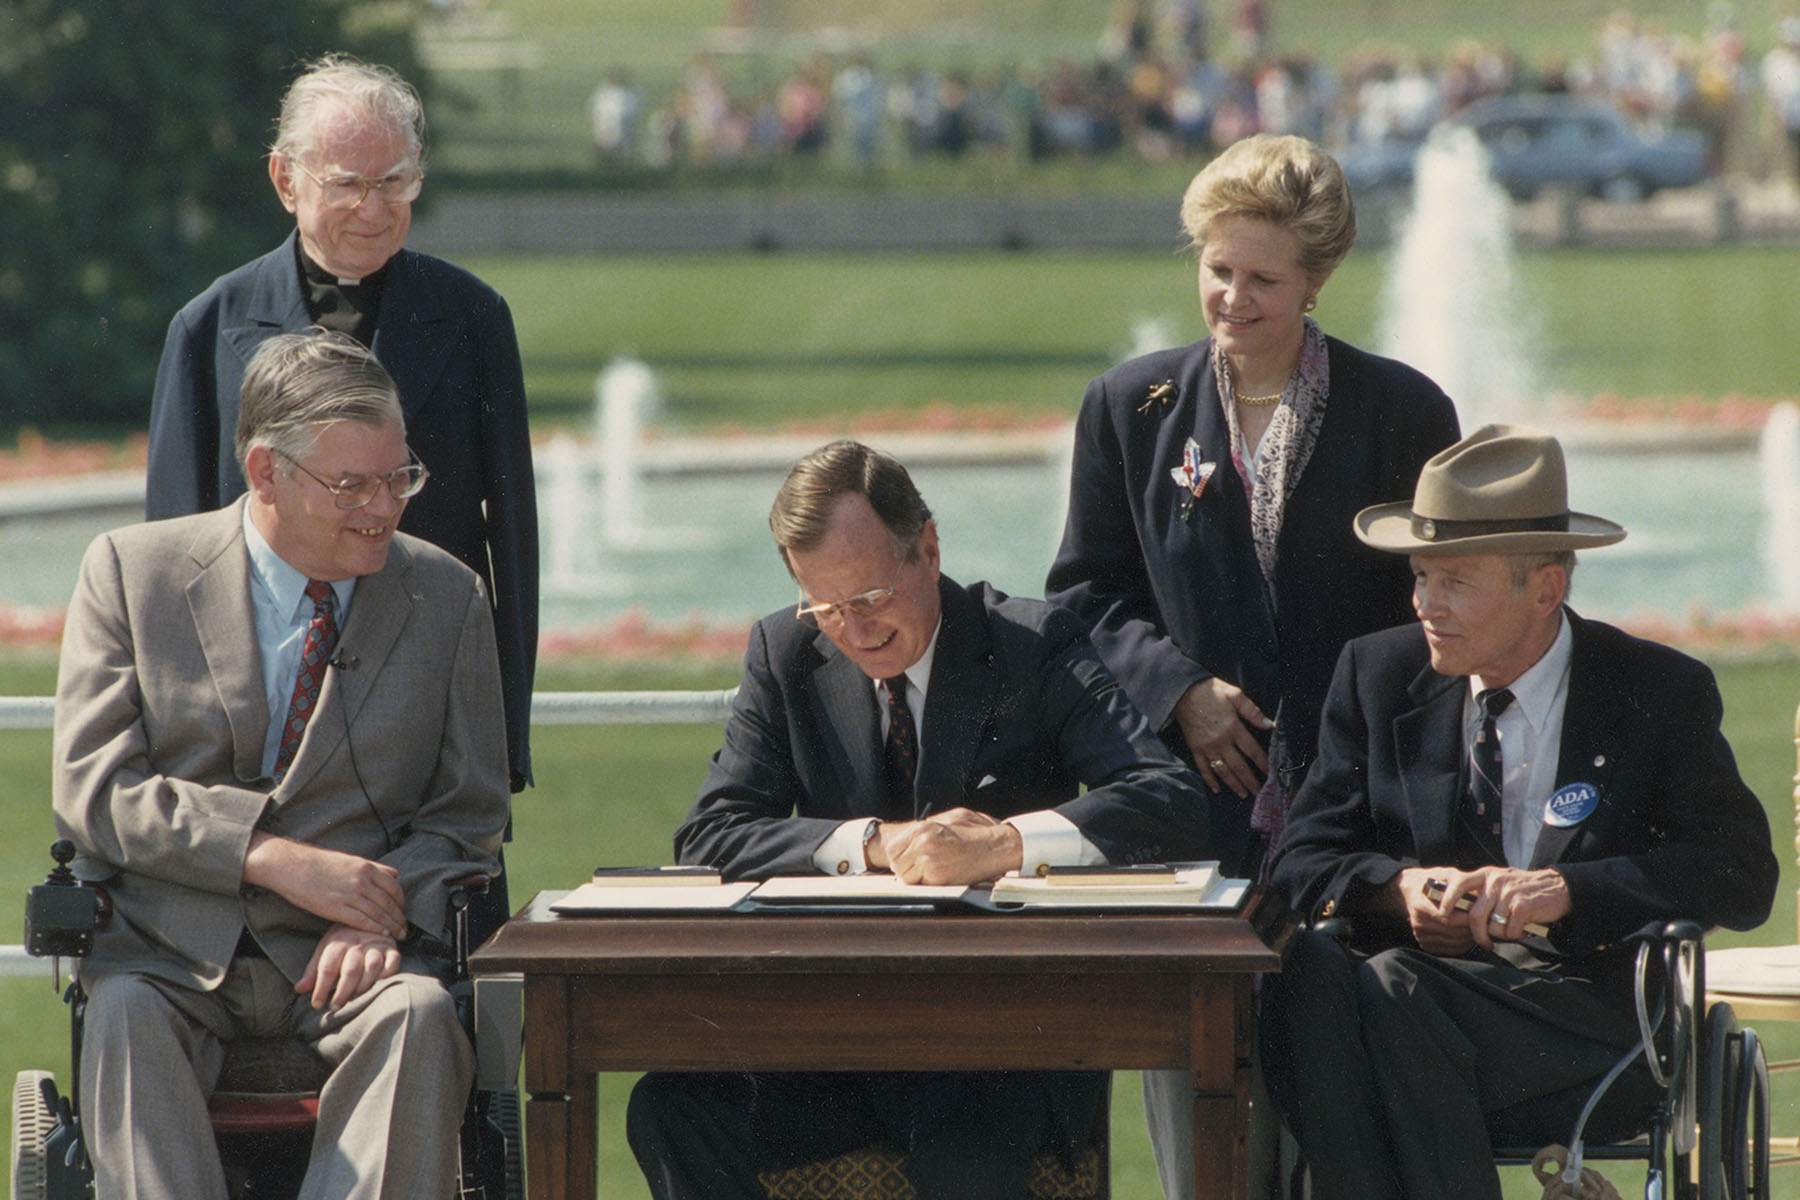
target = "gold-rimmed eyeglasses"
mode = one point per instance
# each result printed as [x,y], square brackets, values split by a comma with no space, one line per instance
[865,604]
[349,191]
[403,483]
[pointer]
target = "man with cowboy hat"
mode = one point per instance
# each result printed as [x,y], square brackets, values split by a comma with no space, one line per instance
[1564,782]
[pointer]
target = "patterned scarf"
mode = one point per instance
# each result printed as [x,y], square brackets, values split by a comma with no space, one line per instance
[1287,446]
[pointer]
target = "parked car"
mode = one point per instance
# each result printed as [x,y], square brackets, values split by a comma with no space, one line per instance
[1539,141]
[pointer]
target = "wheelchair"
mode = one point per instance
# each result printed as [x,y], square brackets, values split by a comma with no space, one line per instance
[266,1102]
[1708,1135]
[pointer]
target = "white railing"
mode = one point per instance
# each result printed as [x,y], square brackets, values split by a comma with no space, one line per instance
[547,708]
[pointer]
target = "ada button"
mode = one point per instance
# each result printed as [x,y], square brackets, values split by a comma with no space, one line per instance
[1571,805]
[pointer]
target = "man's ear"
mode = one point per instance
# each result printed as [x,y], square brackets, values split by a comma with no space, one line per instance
[259,473]
[1552,588]
[282,176]
[928,547]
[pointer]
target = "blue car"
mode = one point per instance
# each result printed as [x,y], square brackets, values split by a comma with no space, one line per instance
[1539,141]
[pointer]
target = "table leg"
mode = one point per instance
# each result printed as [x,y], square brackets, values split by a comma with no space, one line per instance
[1219,1068]
[561,1150]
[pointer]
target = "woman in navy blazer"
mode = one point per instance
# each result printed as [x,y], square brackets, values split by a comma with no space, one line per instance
[1208,544]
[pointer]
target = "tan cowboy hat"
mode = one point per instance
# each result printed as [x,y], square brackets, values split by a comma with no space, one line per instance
[1501,490]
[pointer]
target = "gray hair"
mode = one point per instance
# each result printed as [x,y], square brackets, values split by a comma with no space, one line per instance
[1523,566]
[341,83]
[298,383]
[801,513]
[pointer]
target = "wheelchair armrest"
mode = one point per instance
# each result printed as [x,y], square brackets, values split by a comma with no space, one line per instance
[1336,928]
[1671,1032]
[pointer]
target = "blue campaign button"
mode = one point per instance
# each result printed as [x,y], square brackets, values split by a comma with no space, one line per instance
[1571,805]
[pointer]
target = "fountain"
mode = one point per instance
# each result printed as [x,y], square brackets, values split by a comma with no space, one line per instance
[1450,305]
[625,397]
[1778,453]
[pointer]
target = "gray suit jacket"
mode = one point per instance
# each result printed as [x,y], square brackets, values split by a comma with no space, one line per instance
[160,725]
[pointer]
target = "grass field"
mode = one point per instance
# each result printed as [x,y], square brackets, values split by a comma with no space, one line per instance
[533,118]
[755,340]
[569,824]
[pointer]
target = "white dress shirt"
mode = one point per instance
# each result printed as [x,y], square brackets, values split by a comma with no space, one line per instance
[1050,839]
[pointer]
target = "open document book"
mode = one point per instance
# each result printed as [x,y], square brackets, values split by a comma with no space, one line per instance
[1146,885]
[648,890]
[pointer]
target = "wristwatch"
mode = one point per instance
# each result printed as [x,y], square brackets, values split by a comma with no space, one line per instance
[869,835]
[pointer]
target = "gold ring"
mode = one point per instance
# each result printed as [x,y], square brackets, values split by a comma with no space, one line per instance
[1215,763]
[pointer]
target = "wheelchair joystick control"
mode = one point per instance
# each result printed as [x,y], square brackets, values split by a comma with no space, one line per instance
[61,913]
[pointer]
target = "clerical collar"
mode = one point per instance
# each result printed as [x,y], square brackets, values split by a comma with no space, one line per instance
[314,273]
[345,305]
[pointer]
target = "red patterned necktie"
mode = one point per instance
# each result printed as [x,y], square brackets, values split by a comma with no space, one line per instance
[321,639]
[902,750]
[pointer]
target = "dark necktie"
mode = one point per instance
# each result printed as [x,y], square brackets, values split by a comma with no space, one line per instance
[1485,767]
[901,751]
[321,639]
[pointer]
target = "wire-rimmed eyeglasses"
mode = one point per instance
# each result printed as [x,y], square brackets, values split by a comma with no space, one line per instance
[403,483]
[349,191]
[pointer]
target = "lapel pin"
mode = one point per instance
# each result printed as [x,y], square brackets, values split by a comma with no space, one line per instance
[1571,805]
[1192,475]
[1163,393]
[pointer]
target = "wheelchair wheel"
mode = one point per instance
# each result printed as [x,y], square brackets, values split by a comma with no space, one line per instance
[493,1148]
[1722,1135]
[32,1121]
[503,1115]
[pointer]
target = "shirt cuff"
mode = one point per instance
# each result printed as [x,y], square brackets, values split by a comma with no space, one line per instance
[1052,840]
[842,852]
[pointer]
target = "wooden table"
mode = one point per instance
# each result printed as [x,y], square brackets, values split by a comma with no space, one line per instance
[834,991]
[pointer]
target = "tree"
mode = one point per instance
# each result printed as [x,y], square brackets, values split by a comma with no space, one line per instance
[131,139]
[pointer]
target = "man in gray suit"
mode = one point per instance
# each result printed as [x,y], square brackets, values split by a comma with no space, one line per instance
[278,742]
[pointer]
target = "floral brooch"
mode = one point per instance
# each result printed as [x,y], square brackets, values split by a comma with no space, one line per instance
[1192,475]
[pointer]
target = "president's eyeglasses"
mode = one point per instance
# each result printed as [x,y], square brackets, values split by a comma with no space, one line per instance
[865,604]
[357,491]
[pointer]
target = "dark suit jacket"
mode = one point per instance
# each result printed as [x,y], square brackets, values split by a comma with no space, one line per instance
[1676,832]
[1017,695]
[161,716]
[1171,601]
[448,341]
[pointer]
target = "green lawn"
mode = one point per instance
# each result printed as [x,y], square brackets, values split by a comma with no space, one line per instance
[755,340]
[614,795]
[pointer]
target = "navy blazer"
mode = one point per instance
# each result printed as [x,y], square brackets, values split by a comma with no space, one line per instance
[1173,600]
[447,339]
[1020,711]
[1676,833]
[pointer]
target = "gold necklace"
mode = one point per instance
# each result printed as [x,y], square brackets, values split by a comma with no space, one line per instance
[1261,401]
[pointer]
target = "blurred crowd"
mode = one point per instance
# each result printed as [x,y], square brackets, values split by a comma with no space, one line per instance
[1187,77]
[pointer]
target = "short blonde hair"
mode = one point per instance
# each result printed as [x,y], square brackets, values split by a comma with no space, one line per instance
[1286,181]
